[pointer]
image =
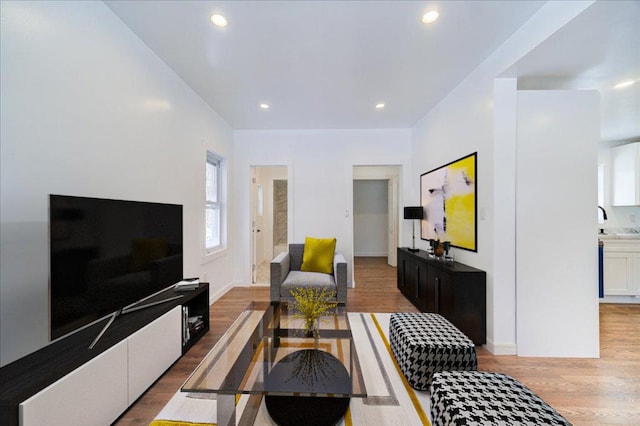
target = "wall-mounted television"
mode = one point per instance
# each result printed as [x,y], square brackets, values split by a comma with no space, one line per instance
[105,255]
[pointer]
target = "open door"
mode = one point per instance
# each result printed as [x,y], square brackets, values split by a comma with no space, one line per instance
[389,174]
[268,218]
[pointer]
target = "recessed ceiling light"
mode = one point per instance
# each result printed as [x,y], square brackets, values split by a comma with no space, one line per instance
[430,17]
[380,105]
[219,20]
[624,84]
[264,106]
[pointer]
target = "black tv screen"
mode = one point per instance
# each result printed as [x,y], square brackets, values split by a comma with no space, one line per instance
[108,254]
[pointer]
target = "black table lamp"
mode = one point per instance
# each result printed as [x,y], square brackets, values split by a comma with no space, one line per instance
[413,213]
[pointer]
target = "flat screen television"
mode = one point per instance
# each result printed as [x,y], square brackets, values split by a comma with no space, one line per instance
[108,254]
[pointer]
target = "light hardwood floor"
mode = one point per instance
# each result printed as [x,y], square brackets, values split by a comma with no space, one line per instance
[604,391]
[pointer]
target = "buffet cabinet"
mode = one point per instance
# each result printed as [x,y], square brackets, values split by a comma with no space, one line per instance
[451,289]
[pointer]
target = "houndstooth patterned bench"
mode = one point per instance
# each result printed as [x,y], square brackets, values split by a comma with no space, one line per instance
[482,398]
[426,343]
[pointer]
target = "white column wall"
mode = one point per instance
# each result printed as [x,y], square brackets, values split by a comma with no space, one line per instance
[556,246]
[504,207]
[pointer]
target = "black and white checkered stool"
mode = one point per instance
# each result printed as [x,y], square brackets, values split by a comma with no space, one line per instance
[483,398]
[426,343]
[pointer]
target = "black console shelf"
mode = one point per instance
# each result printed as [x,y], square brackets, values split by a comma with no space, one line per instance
[452,289]
[28,375]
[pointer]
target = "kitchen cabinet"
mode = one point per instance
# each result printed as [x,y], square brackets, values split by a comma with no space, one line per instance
[625,175]
[622,267]
[451,289]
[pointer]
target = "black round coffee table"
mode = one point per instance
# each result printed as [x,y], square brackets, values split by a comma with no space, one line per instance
[308,371]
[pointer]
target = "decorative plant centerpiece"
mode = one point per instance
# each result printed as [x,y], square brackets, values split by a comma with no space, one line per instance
[311,304]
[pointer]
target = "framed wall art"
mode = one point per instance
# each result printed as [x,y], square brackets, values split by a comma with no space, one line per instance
[449,198]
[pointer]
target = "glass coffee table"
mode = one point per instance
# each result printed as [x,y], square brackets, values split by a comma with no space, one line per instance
[265,354]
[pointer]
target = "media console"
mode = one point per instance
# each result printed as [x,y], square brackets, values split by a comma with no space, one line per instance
[68,383]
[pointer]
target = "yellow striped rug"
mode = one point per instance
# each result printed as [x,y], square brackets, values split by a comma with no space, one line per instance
[390,400]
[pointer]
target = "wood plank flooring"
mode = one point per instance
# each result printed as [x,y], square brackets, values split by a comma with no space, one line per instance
[604,391]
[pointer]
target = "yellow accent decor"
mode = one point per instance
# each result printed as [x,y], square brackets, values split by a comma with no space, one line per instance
[412,395]
[460,208]
[347,417]
[318,255]
[311,304]
[177,423]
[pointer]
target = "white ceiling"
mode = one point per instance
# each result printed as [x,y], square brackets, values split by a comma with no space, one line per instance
[325,64]
[596,50]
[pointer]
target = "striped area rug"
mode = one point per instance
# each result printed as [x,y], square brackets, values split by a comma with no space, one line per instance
[390,400]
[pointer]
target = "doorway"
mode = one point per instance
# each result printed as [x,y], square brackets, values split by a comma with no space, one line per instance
[375,212]
[269,218]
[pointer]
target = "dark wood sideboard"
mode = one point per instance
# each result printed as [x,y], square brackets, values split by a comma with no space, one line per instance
[451,289]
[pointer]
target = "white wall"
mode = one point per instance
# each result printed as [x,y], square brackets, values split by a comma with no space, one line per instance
[320,164]
[556,255]
[87,109]
[370,217]
[466,121]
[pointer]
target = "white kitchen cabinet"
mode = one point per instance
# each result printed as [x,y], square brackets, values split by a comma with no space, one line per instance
[625,175]
[622,268]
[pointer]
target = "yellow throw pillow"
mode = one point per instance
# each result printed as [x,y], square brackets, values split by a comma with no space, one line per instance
[318,255]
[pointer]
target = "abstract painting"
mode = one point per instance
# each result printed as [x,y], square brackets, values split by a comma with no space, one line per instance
[448,195]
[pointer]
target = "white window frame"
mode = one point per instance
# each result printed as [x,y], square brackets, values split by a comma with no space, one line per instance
[216,203]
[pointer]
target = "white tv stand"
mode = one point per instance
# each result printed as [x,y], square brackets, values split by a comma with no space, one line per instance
[67,383]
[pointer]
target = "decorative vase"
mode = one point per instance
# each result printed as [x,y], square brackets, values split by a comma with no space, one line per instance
[439,251]
[311,304]
[447,247]
[312,330]
[310,327]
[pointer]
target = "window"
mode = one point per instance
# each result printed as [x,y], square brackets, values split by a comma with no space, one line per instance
[213,203]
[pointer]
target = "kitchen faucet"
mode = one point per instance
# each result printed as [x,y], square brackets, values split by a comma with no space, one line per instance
[604,213]
[604,217]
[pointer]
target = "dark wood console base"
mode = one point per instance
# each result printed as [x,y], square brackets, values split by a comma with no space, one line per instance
[451,289]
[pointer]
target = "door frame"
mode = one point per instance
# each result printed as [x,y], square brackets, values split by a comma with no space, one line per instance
[254,181]
[391,173]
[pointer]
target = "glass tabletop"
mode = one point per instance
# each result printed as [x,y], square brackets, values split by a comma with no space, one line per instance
[266,351]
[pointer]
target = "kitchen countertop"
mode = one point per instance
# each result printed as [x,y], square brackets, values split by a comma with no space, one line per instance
[625,236]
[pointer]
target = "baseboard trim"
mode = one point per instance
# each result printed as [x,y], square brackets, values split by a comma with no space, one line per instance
[214,296]
[502,348]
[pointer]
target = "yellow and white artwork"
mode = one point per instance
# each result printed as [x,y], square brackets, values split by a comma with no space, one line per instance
[448,196]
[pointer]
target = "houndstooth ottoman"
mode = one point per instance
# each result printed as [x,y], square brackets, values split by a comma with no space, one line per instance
[482,398]
[426,343]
